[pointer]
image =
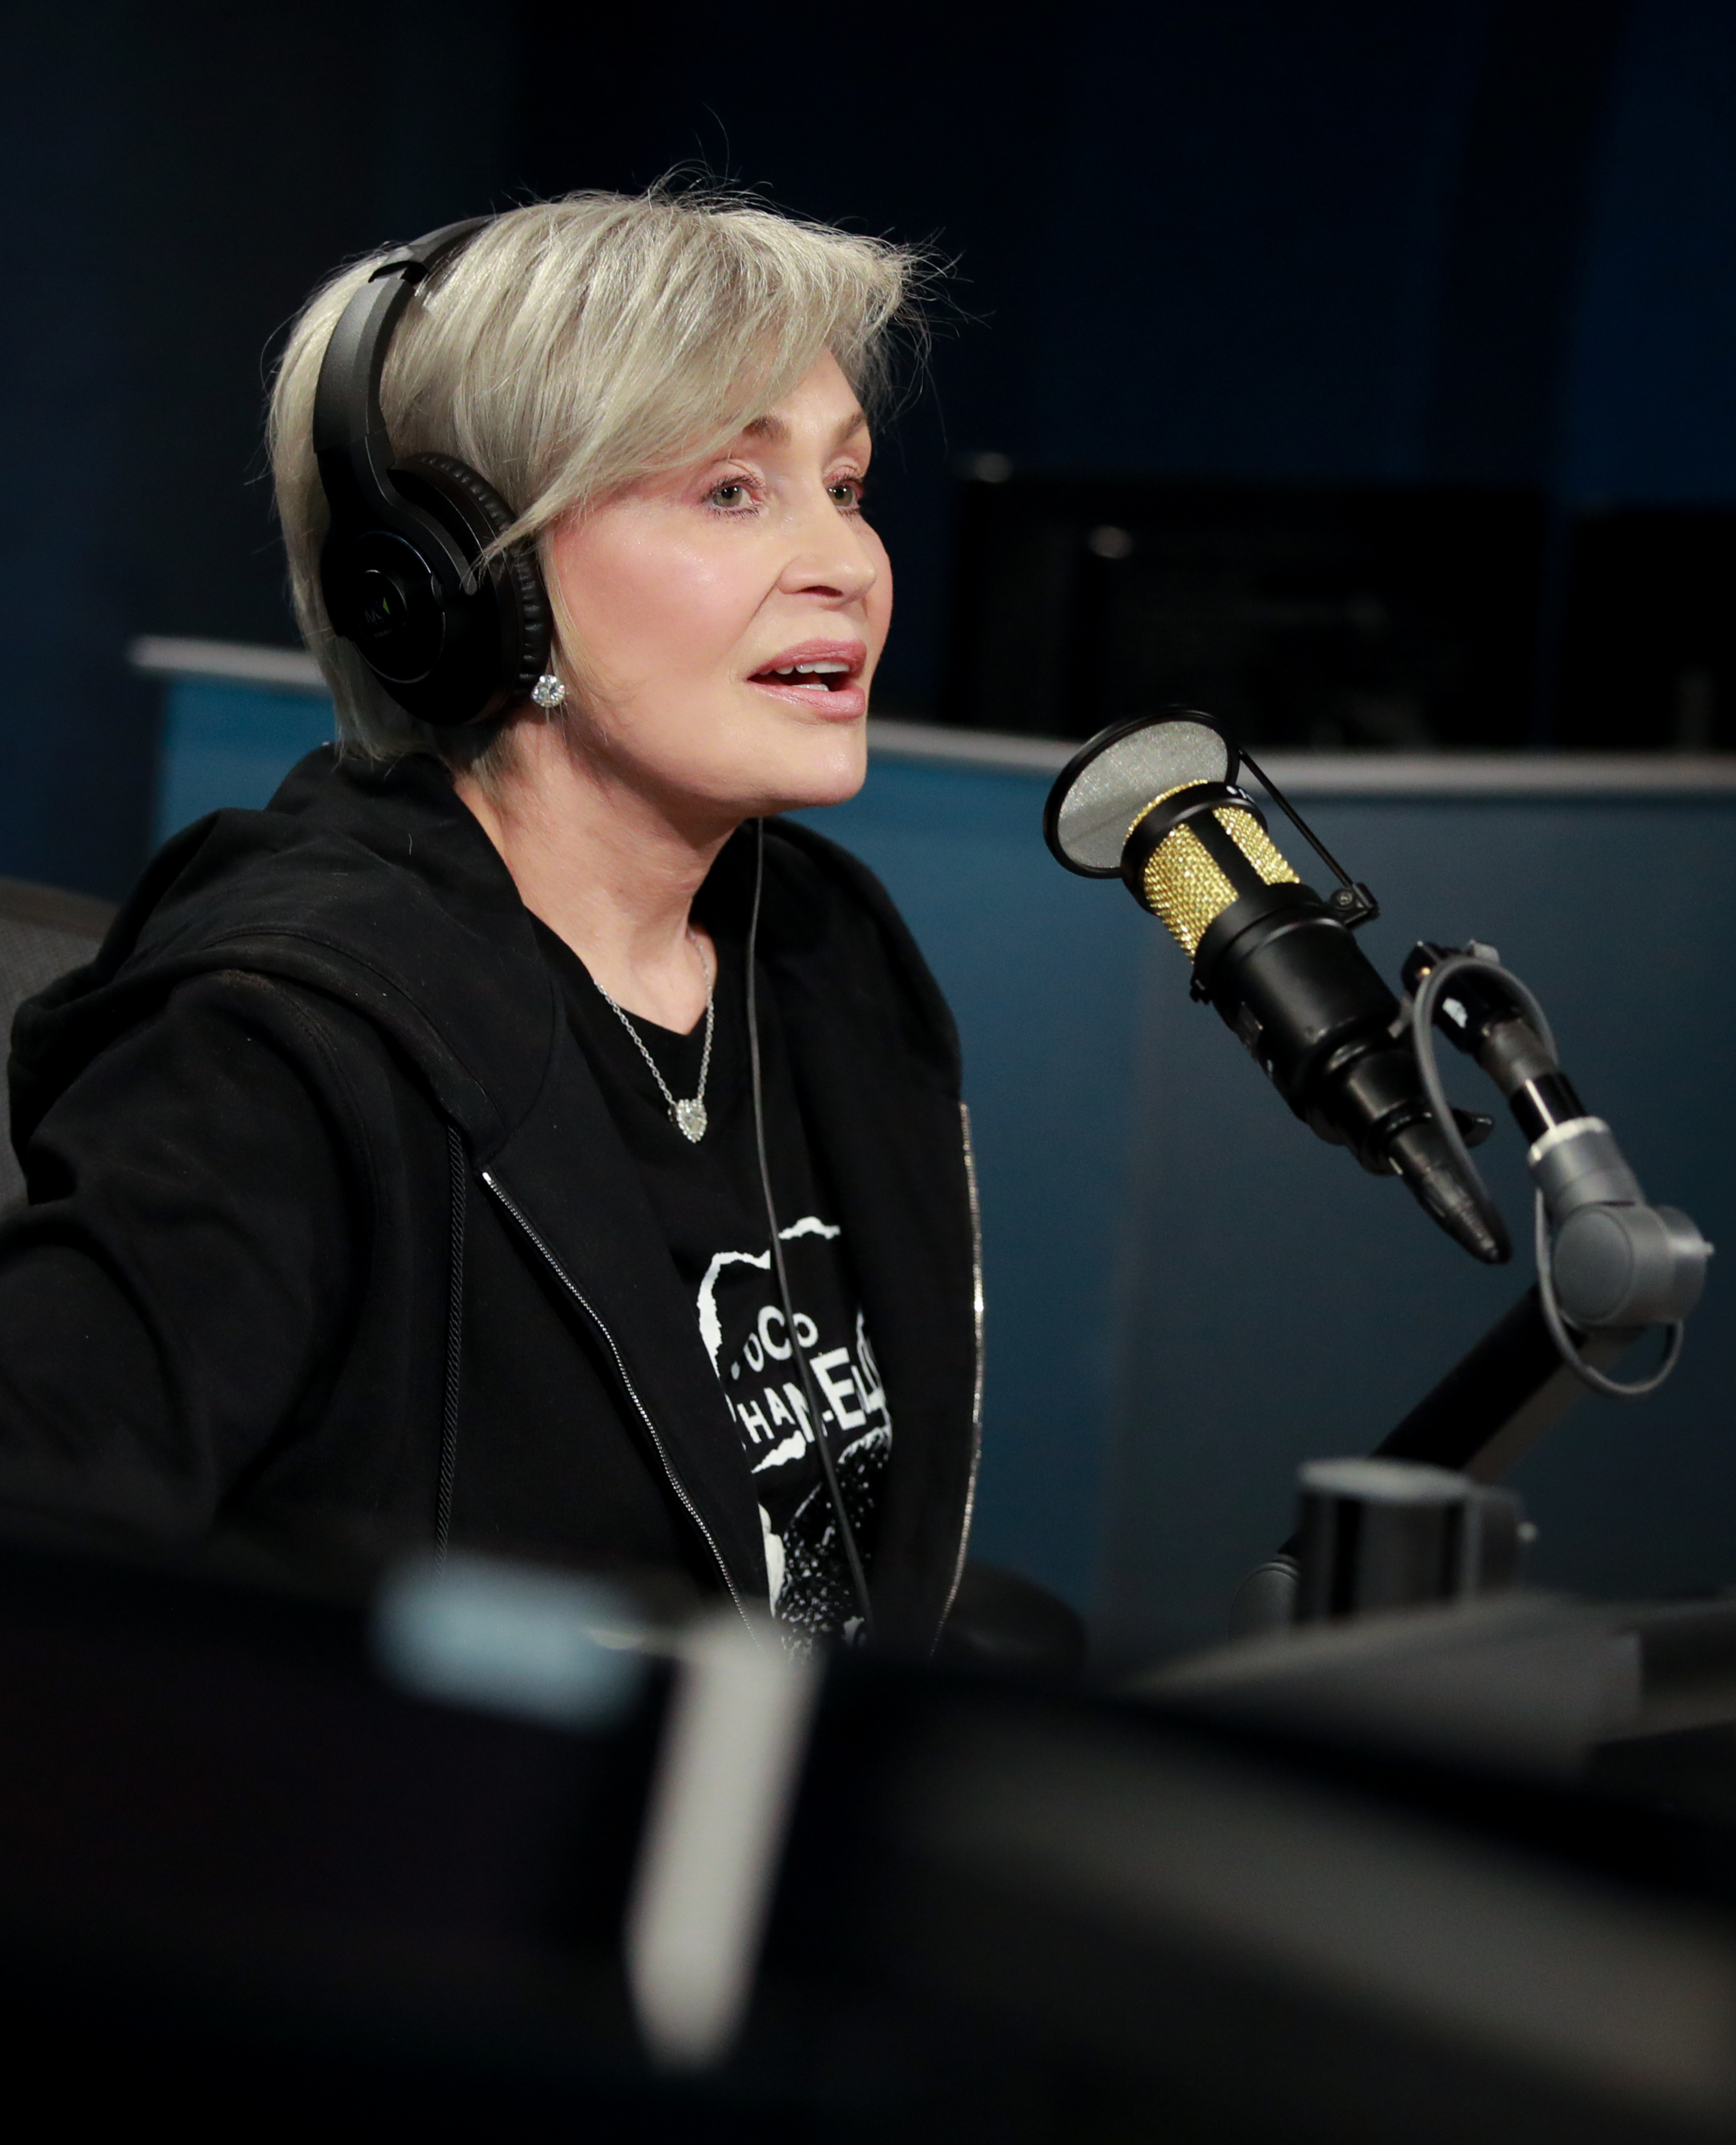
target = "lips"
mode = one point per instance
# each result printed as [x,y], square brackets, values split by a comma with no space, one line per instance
[820,675]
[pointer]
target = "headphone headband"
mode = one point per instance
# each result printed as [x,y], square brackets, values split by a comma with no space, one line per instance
[399,569]
[347,419]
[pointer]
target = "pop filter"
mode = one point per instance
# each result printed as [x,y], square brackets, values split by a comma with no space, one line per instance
[1108,783]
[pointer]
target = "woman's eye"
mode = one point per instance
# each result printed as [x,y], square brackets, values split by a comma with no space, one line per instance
[847,491]
[730,495]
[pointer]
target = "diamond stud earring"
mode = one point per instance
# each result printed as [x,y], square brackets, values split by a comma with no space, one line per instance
[548,692]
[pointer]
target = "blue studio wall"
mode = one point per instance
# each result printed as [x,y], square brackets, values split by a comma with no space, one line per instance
[228,743]
[1188,1294]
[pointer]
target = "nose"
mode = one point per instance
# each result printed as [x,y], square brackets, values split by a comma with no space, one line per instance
[829,557]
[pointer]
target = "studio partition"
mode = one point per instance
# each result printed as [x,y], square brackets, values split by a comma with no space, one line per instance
[1188,1292]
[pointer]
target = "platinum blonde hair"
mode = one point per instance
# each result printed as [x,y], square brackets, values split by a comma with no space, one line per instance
[570,349]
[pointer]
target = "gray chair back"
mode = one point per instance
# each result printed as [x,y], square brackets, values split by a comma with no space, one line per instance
[43,932]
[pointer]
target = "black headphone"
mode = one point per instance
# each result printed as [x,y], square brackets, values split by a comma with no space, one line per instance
[398,568]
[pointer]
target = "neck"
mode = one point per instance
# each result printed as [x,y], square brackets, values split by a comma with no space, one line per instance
[607,868]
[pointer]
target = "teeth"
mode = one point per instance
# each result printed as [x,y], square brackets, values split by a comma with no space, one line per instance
[828,669]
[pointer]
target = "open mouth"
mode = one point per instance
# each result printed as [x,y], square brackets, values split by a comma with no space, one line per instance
[824,676]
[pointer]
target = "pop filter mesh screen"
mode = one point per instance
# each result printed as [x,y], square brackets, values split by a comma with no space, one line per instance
[1110,792]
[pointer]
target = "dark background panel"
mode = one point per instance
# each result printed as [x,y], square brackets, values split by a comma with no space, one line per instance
[1330,242]
[1648,631]
[1303,616]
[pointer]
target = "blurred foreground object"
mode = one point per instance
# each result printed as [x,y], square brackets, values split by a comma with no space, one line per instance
[1382,1534]
[432,1853]
[1000,1621]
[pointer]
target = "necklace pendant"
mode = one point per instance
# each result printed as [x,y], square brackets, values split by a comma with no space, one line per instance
[691,1119]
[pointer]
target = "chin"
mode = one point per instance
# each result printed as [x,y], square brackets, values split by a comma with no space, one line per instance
[828,768]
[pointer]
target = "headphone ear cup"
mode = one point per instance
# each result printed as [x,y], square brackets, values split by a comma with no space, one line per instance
[509,598]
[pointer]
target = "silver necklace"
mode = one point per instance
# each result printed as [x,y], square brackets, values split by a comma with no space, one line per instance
[689,1115]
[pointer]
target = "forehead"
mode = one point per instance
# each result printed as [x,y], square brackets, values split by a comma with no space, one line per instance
[821,407]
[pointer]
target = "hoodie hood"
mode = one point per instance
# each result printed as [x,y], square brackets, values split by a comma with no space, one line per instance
[384,909]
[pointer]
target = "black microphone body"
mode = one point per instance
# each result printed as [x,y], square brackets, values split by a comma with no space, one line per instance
[1287,977]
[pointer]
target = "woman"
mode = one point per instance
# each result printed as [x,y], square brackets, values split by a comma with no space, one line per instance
[401,1168]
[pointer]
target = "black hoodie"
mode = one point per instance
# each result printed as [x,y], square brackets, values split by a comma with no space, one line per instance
[320,1041]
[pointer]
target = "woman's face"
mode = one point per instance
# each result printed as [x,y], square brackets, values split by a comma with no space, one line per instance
[730,616]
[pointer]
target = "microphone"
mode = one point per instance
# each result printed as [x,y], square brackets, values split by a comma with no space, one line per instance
[1154,803]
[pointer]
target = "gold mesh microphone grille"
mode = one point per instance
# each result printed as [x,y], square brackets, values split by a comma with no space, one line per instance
[1188,889]
[1185,887]
[1257,845]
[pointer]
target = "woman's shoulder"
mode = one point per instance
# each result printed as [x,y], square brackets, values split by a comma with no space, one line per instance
[378,895]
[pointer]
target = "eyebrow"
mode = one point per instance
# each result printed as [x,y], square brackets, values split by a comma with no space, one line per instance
[772,427]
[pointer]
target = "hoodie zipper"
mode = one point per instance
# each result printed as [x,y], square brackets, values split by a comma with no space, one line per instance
[566,1281]
[970,1495]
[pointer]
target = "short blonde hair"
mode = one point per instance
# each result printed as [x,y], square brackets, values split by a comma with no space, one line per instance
[570,348]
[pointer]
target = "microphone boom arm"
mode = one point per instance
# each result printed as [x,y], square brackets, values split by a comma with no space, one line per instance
[1608,1264]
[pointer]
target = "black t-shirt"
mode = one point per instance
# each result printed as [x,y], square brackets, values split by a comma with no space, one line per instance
[708,1203]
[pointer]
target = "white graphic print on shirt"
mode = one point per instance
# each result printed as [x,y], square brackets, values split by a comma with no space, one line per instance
[742,1325]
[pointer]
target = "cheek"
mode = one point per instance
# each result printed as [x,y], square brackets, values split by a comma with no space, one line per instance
[644,603]
[879,597]
[876,615]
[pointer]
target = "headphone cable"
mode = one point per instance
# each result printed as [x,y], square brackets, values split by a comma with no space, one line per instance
[829,1467]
